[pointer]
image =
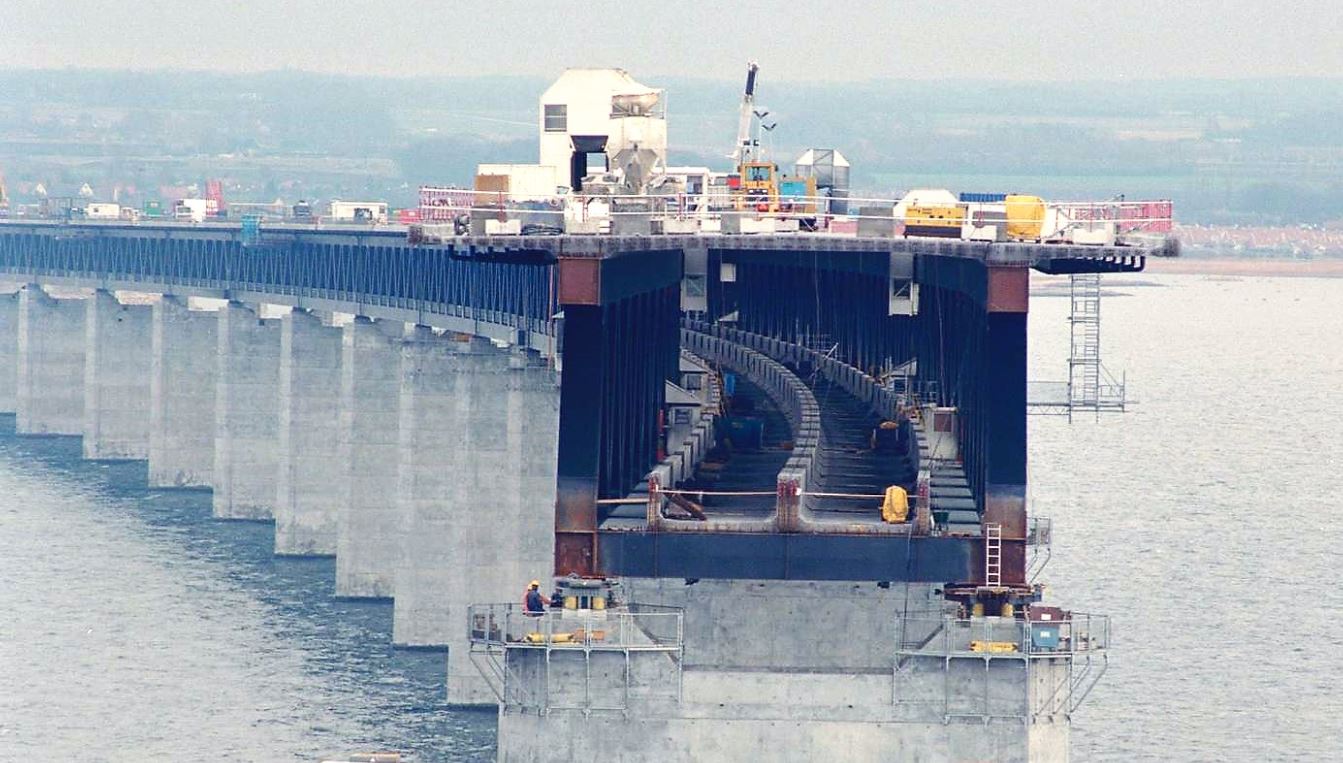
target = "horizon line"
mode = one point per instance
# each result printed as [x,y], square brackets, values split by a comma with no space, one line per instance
[664,76]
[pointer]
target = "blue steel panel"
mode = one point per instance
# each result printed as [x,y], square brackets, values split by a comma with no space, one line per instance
[381,269]
[788,556]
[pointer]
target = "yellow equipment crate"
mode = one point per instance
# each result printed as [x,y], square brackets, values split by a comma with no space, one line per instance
[993,647]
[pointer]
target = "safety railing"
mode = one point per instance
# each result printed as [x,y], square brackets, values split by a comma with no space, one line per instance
[615,212]
[1065,655]
[509,626]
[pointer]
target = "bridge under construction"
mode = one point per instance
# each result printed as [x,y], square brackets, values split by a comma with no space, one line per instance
[780,479]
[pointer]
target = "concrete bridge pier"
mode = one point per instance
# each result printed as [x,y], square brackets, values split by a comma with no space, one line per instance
[309,486]
[478,431]
[502,535]
[368,526]
[9,348]
[49,394]
[428,457]
[246,452]
[117,364]
[182,394]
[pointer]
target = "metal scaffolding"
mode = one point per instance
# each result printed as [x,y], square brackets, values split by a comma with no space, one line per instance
[1090,386]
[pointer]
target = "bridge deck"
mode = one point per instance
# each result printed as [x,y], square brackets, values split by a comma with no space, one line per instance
[854,467]
[746,468]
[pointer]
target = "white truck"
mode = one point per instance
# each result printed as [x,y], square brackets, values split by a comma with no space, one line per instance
[195,210]
[359,212]
[96,210]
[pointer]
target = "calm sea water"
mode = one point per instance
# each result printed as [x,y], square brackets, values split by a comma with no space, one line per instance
[1207,521]
[135,627]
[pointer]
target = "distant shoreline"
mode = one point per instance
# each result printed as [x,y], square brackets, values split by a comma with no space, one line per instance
[1246,266]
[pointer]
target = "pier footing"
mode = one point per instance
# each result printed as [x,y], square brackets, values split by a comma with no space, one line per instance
[774,671]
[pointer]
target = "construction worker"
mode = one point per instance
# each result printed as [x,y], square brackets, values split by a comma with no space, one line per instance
[533,603]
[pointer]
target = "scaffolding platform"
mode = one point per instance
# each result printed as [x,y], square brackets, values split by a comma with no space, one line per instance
[997,668]
[578,659]
[1090,386]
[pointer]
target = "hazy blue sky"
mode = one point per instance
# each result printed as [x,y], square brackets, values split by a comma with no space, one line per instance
[988,39]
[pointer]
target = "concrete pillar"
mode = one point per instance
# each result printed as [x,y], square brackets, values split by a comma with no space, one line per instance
[309,489]
[9,349]
[429,438]
[183,349]
[117,367]
[477,465]
[246,452]
[368,528]
[49,394]
[504,526]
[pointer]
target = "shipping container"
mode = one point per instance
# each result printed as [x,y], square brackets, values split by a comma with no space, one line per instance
[983,198]
[359,211]
[522,182]
[195,210]
[440,204]
[1025,218]
[102,211]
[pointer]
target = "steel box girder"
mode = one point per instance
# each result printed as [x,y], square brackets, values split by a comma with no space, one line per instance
[796,556]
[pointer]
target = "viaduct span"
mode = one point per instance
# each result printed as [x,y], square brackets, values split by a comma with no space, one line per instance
[451,420]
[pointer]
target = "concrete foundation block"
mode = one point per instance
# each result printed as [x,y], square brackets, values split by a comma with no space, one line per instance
[183,360]
[246,451]
[117,369]
[779,671]
[309,489]
[49,391]
[368,526]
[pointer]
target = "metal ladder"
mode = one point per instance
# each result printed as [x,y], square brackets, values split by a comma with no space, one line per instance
[993,555]
[1084,361]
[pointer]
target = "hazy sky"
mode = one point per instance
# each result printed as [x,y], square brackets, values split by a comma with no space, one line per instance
[926,39]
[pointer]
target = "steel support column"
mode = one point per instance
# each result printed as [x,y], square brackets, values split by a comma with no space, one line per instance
[1003,385]
[621,345]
